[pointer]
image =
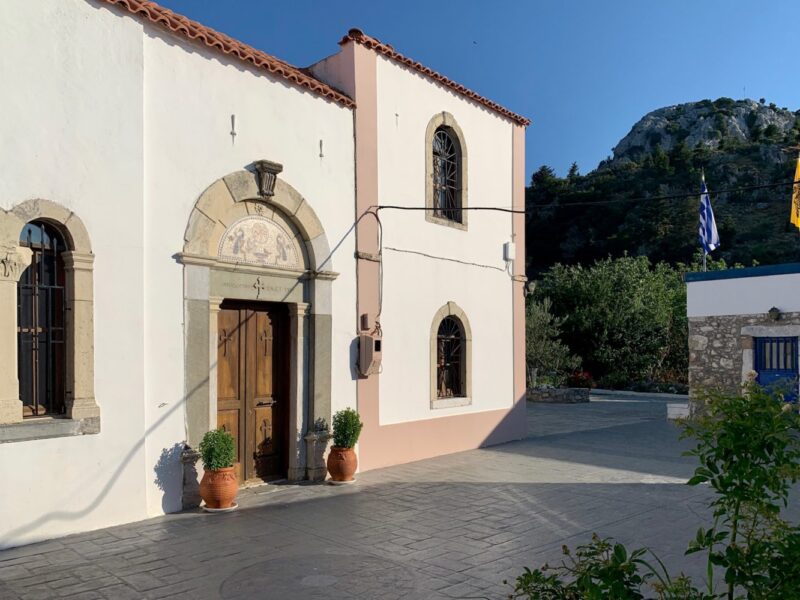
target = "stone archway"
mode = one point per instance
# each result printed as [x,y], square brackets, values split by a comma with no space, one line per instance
[214,272]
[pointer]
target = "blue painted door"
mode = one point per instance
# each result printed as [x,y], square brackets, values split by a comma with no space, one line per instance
[776,365]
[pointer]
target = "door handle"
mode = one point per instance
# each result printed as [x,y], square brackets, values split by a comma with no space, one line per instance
[267,403]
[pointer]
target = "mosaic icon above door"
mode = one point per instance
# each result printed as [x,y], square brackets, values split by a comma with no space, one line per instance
[258,240]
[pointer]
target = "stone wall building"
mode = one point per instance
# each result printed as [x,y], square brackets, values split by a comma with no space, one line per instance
[744,323]
[191,238]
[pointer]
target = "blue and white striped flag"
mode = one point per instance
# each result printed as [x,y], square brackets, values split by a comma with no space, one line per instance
[709,237]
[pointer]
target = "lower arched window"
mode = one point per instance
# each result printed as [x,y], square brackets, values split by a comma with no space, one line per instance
[41,322]
[451,358]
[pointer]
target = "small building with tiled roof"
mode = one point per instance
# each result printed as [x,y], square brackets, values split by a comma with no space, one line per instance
[198,235]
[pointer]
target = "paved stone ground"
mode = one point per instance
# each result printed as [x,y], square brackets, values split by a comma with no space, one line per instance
[451,527]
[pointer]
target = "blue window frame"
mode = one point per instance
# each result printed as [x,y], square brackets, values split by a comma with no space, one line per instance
[776,362]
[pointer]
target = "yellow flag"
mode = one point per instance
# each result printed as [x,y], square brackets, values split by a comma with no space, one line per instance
[795,218]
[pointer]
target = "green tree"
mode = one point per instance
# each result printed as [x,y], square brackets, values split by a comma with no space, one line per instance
[546,354]
[624,317]
[573,172]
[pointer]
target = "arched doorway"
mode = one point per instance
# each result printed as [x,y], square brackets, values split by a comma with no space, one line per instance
[264,263]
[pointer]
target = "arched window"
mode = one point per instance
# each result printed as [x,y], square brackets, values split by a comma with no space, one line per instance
[41,322]
[446,175]
[451,358]
[445,172]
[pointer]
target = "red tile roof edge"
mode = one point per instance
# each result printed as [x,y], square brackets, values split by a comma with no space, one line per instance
[359,37]
[195,31]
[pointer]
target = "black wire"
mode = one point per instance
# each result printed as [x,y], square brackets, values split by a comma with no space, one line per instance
[496,208]
[603,202]
[680,196]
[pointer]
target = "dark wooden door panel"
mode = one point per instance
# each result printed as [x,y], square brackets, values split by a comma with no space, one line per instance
[228,419]
[267,451]
[263,358]
[252,387]
[228,349]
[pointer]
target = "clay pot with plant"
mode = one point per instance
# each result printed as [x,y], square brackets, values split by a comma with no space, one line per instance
[219,485]
[342,459]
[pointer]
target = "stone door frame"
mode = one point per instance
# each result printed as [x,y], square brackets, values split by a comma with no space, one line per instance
[307,293]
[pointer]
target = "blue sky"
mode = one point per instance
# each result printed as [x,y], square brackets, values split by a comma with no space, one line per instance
[584,71]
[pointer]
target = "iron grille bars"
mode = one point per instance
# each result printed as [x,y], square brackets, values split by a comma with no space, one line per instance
[41,320]
[446,176]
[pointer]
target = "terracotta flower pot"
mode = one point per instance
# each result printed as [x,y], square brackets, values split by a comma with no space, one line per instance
[218,488]
[342,463]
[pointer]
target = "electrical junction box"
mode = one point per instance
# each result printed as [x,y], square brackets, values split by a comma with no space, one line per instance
[509,251]
[369,354]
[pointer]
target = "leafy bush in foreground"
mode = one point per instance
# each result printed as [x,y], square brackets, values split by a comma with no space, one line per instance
[748,448]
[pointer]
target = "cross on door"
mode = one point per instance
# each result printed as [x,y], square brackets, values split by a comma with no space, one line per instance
[224,338]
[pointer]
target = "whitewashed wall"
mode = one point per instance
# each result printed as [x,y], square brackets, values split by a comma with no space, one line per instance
[190,95]
[71,132]
[743,295]
[127,125]
[414,286]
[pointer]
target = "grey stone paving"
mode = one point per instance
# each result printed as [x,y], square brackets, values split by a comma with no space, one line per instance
[450,527]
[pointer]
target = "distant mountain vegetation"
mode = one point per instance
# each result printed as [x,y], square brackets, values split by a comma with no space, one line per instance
[736,142]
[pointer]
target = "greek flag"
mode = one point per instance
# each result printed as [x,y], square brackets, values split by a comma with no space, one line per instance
[709,237]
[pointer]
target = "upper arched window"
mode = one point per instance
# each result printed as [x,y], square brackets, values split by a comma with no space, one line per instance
[446,175]
[41,322]
[446,172]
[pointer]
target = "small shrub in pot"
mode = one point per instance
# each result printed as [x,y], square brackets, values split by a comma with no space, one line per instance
[342,460]
[219,486]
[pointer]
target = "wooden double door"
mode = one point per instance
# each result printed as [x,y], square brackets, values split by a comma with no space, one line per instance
[253,386]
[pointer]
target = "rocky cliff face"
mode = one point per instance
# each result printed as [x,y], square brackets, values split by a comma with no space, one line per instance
[707,124]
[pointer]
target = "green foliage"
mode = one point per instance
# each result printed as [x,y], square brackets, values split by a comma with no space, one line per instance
[771,131]
[748,447]
[217,450]
[546,354]
[624,317]
[749,454]
[573,172]
[347,427]
[602,570]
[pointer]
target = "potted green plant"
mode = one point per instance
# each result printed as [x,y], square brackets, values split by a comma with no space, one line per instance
[342,460]
[219,486]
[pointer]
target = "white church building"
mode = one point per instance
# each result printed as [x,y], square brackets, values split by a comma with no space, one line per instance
[195,234]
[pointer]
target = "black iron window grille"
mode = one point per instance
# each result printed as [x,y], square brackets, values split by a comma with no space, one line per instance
[41,323]
[450,359]
[446,175]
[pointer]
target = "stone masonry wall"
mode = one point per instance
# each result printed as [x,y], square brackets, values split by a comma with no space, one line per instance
[559,395]
[716,347]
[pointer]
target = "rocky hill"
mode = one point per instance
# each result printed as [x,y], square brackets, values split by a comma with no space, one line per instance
[708,125]
[735,142]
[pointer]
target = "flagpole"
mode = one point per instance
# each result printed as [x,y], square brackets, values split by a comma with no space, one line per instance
[703,179]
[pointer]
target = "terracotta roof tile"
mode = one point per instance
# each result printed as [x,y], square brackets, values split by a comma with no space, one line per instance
[359,37]
[213,39]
